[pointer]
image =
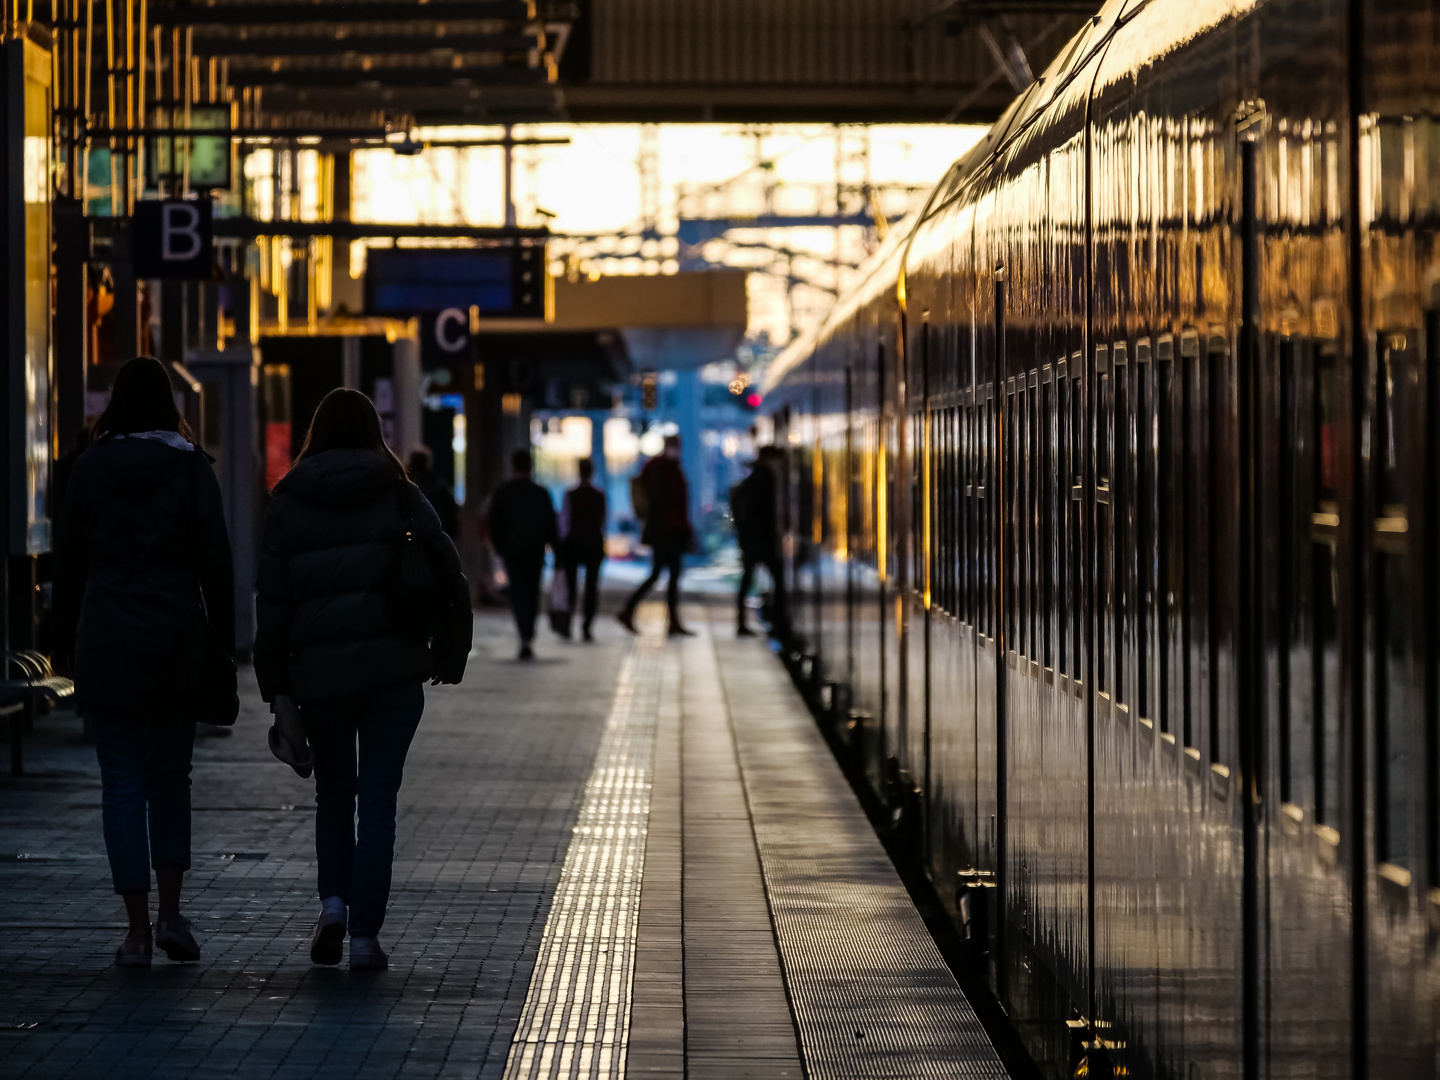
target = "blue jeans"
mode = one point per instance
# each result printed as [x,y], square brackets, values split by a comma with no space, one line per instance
[355,864]
[144,772]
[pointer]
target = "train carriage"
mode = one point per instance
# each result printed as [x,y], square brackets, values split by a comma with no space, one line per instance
[1109,516]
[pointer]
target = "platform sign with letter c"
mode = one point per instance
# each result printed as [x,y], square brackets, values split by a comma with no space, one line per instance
[452,330]
[445,337]
[172,238]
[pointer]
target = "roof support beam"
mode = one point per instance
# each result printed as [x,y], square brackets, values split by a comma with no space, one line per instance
[275,14]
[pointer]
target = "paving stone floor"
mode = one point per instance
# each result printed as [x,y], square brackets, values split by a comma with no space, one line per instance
[749,874]
[491,790]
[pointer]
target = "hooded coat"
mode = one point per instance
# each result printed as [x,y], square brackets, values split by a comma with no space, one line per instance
[140,542]
[323,624]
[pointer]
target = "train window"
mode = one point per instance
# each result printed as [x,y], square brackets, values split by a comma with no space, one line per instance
[1046,469]
[1144,504]
[1286,623]
[1027,524]
[985,535]
[1104,532]
[938,494]
[1060,467]
[1393,440]
[1193,396]
[1325,589]
[1431,606]
[1121,515]
[1216,409]
[1169,509]
[1432,596]
[1015,406]
[1077,489]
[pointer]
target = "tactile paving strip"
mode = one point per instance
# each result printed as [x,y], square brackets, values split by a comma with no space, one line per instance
[576,1019]
[871,993]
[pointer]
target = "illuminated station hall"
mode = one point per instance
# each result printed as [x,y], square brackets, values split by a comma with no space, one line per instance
[720,539]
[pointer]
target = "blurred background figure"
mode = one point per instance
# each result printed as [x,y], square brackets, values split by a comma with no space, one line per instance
[582,528]
[666,513]
[522,524]
[752,503]
[421,468]
[142,546]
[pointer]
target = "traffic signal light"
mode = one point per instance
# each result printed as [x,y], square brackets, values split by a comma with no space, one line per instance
[649,392]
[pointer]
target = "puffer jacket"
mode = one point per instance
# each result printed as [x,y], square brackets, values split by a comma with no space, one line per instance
[140,541]
[323,625]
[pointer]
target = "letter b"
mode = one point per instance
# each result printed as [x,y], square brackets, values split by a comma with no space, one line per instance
[179,232]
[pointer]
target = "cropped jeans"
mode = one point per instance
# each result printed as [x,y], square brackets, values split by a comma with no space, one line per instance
[359,743]
[145,794]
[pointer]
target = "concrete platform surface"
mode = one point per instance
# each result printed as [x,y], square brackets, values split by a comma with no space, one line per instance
[629,858]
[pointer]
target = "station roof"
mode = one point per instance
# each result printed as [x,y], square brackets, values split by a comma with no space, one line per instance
[431,62]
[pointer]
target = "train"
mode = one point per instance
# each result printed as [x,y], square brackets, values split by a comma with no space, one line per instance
[1111,528]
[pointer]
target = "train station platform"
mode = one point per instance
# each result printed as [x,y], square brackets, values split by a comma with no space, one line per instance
[634,858]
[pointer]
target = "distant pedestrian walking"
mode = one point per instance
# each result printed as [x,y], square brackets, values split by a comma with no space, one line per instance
[667,531]
[339,656]
[142,574]
[752,505]
[420,467]
[582,527]
[522,524]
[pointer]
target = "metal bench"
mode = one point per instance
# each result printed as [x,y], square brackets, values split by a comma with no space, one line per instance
[32,683]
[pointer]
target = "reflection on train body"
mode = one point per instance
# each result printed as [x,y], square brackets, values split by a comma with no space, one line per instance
[1112,489]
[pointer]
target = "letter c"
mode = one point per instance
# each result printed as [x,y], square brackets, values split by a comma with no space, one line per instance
[447,343]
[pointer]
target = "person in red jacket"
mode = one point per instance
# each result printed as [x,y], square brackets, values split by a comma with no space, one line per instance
[667,531]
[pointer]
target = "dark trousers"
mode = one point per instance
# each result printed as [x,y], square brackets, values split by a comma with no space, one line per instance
[668,558]
[591,563]
[145,795]
[771,562]
[355,863]
[524,593]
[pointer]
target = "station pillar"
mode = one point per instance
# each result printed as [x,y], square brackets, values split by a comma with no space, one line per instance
[407,395]
[231,436]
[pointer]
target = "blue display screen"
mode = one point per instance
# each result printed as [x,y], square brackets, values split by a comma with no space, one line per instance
[408,282]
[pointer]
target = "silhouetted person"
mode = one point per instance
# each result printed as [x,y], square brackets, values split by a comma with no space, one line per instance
[752,505]
[583,520]
[329,646]
[667,531]
[421,469]
[141,544]
[522,524]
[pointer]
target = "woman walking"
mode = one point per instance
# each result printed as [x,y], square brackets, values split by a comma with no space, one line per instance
[329,645]
[140,547]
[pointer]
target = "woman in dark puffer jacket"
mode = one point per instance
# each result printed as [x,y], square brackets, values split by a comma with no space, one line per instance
[326,643]
[140,543]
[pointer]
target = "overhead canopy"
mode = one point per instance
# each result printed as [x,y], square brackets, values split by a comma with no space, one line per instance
[668,322]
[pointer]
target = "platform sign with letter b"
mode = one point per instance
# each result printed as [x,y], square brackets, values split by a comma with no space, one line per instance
[172,238]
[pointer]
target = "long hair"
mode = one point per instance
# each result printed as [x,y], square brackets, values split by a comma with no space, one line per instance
[347,420]
[142,399]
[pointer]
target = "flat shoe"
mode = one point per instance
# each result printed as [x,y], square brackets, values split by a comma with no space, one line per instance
[176,939]
[328,944]
[134,954]
[627,620]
